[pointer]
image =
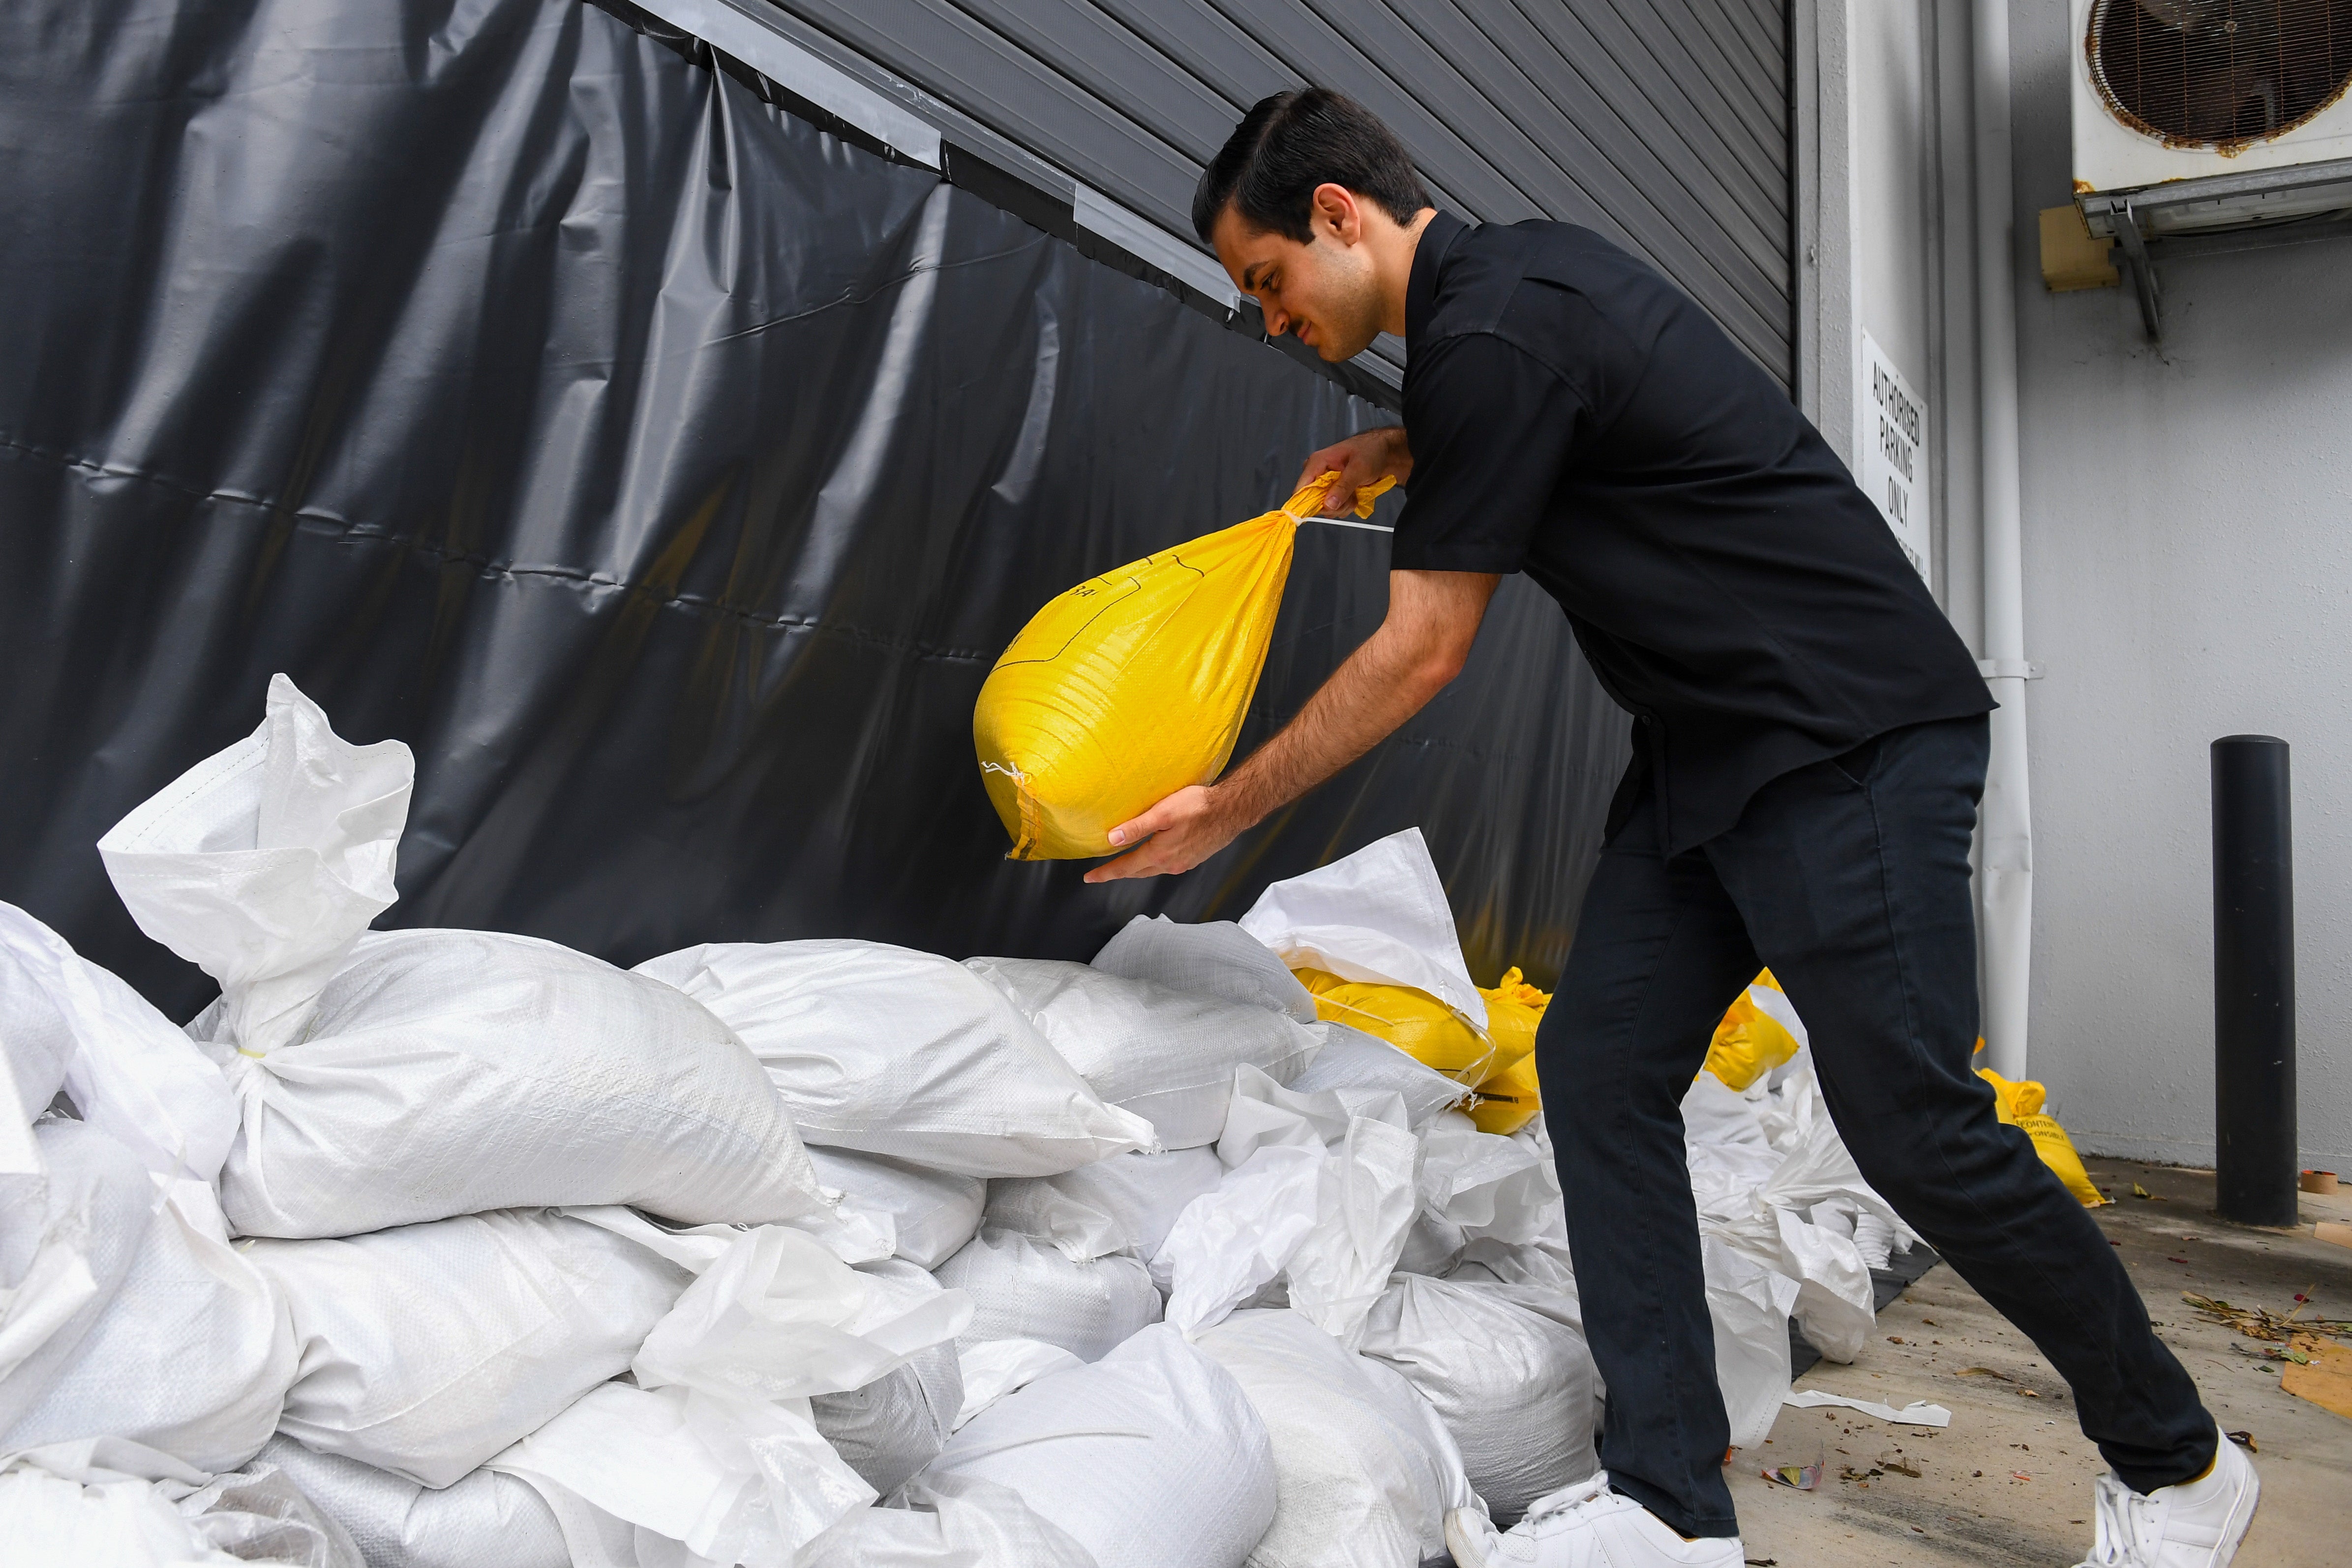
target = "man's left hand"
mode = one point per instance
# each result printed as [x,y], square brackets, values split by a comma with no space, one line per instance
[1177,834]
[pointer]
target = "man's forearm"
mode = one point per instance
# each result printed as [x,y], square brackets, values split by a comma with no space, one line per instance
[1366,699]
[1432,618]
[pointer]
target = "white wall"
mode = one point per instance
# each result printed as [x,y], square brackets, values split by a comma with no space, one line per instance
[2188,575]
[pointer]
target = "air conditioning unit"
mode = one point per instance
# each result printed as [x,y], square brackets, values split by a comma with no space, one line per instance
[2225,119]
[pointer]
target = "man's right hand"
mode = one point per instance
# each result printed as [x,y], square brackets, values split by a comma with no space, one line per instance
[1360,458]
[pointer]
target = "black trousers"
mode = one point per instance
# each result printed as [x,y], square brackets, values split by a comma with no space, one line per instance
[1850,880]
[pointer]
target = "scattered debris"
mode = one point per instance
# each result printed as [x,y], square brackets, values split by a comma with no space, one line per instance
[1985,1372]
[1920,1413]
[2019,1476]
[1900,1468]
[2140,1191]
[2244,1440]
[2262,1323]
[1798,1478]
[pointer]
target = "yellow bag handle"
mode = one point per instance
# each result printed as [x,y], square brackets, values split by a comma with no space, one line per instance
[1307,505]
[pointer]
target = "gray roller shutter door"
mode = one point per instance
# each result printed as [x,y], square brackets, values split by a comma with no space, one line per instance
[1663,123]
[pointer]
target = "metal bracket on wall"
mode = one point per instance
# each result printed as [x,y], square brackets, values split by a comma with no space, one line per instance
[2216,215]
[2143,271]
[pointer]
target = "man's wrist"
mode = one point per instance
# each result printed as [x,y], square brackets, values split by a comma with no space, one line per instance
[1231,808]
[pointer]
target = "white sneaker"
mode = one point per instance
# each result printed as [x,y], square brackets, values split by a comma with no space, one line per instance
[1583,1526]
[2195,1524]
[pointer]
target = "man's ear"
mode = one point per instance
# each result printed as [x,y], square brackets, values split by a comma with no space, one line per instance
[1336,214]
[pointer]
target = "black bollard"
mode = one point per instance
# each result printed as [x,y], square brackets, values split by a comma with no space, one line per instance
[2254,983]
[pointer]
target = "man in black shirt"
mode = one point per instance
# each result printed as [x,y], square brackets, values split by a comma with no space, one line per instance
[1810,746]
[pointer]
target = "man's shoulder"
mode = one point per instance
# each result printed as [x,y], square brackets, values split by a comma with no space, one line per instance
[1486,274]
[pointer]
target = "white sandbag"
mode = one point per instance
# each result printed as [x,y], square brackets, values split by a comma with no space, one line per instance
[1215,958]
[192,1354]
[36,1040]
[893,1427]
[905,1054]
[95,1203]
[1351,1059]
[1379,915]
[600,1086]
[931,1213]
[1749,1305]
[1364,1470]
[1507,1373]
[995,1368]
[427,1349]
[484,1518]
[389,1079]
[716,1448]
[263,863]
[1025,1289]
[259,1513]
[1150,1458]
[1318,1195]
[1167,1056]
[106,1503]
[1761,1201]
[946,1521]
[1035,1208]
[743,1482]
[1129,1200]
[128,1071]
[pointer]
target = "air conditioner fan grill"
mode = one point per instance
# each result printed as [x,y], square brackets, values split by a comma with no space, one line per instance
[2222,74]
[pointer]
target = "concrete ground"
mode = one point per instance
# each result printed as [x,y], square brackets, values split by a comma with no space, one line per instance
[2009,1482]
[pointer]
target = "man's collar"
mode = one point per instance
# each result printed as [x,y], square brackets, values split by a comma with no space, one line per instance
[1421,288]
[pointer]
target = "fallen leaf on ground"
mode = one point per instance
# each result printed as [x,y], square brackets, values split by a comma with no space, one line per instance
[2244,1440]
[1985,1372]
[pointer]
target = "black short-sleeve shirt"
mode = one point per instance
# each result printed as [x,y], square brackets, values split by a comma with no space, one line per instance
[1575,416]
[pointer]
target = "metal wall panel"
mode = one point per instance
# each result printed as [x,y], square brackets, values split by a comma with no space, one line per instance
[1662,123]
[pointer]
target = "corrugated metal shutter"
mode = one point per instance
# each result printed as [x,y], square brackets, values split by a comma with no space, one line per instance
[1663,123]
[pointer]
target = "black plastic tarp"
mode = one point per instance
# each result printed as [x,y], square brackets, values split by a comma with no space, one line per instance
[665,472]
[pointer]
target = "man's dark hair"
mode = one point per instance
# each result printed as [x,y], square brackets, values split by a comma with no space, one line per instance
[1288,145]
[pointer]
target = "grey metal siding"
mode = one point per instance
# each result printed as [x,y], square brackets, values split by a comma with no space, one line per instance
[1663,123]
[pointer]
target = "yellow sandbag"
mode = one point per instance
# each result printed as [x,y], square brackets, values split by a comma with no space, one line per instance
[1750,1042]
[1508,1100]
[1413,1021]
[2019,1104]
[2057,1152]
[1134,684]
[1514,1009]
[2013,1101]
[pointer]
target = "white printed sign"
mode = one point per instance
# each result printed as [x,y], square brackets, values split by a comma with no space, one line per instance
[1893,440]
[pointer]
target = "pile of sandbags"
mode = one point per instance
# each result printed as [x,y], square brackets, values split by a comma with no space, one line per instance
[421,1249]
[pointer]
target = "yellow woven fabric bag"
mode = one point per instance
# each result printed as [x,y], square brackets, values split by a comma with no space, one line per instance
[1750,1042]
[1134,684]
[2019,1102]
[1407,1017]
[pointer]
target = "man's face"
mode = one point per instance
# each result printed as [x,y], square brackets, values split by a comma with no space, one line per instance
[1322,292]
